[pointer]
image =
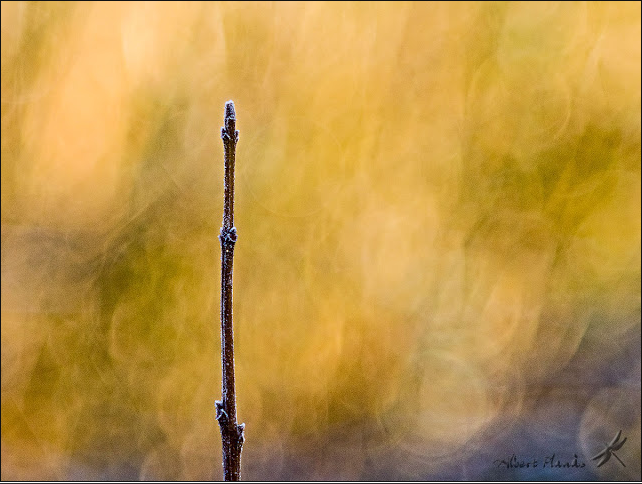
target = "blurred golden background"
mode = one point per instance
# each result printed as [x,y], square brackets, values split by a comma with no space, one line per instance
[438,264]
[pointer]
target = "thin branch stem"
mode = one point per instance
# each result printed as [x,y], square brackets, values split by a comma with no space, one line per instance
[232,434]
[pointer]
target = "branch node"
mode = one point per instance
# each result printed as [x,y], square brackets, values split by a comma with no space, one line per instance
[221,414]
[240,430]
[228,236]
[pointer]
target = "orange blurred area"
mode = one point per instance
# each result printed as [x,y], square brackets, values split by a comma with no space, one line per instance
[438,207]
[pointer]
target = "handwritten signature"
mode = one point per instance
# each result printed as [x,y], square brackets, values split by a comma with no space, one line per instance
[550,461]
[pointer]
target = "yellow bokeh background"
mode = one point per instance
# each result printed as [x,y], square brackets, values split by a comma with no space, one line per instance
[438,207]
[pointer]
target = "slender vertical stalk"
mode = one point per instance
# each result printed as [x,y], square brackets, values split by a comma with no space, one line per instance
[231,432]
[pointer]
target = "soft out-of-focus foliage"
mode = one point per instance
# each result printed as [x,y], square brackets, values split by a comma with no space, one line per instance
[438,208]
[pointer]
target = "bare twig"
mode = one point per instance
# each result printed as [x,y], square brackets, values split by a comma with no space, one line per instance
[232,433]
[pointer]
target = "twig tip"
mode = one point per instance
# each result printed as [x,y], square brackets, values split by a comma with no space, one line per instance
[229,110]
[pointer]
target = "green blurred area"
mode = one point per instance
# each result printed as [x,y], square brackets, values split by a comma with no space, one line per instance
[438,207]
